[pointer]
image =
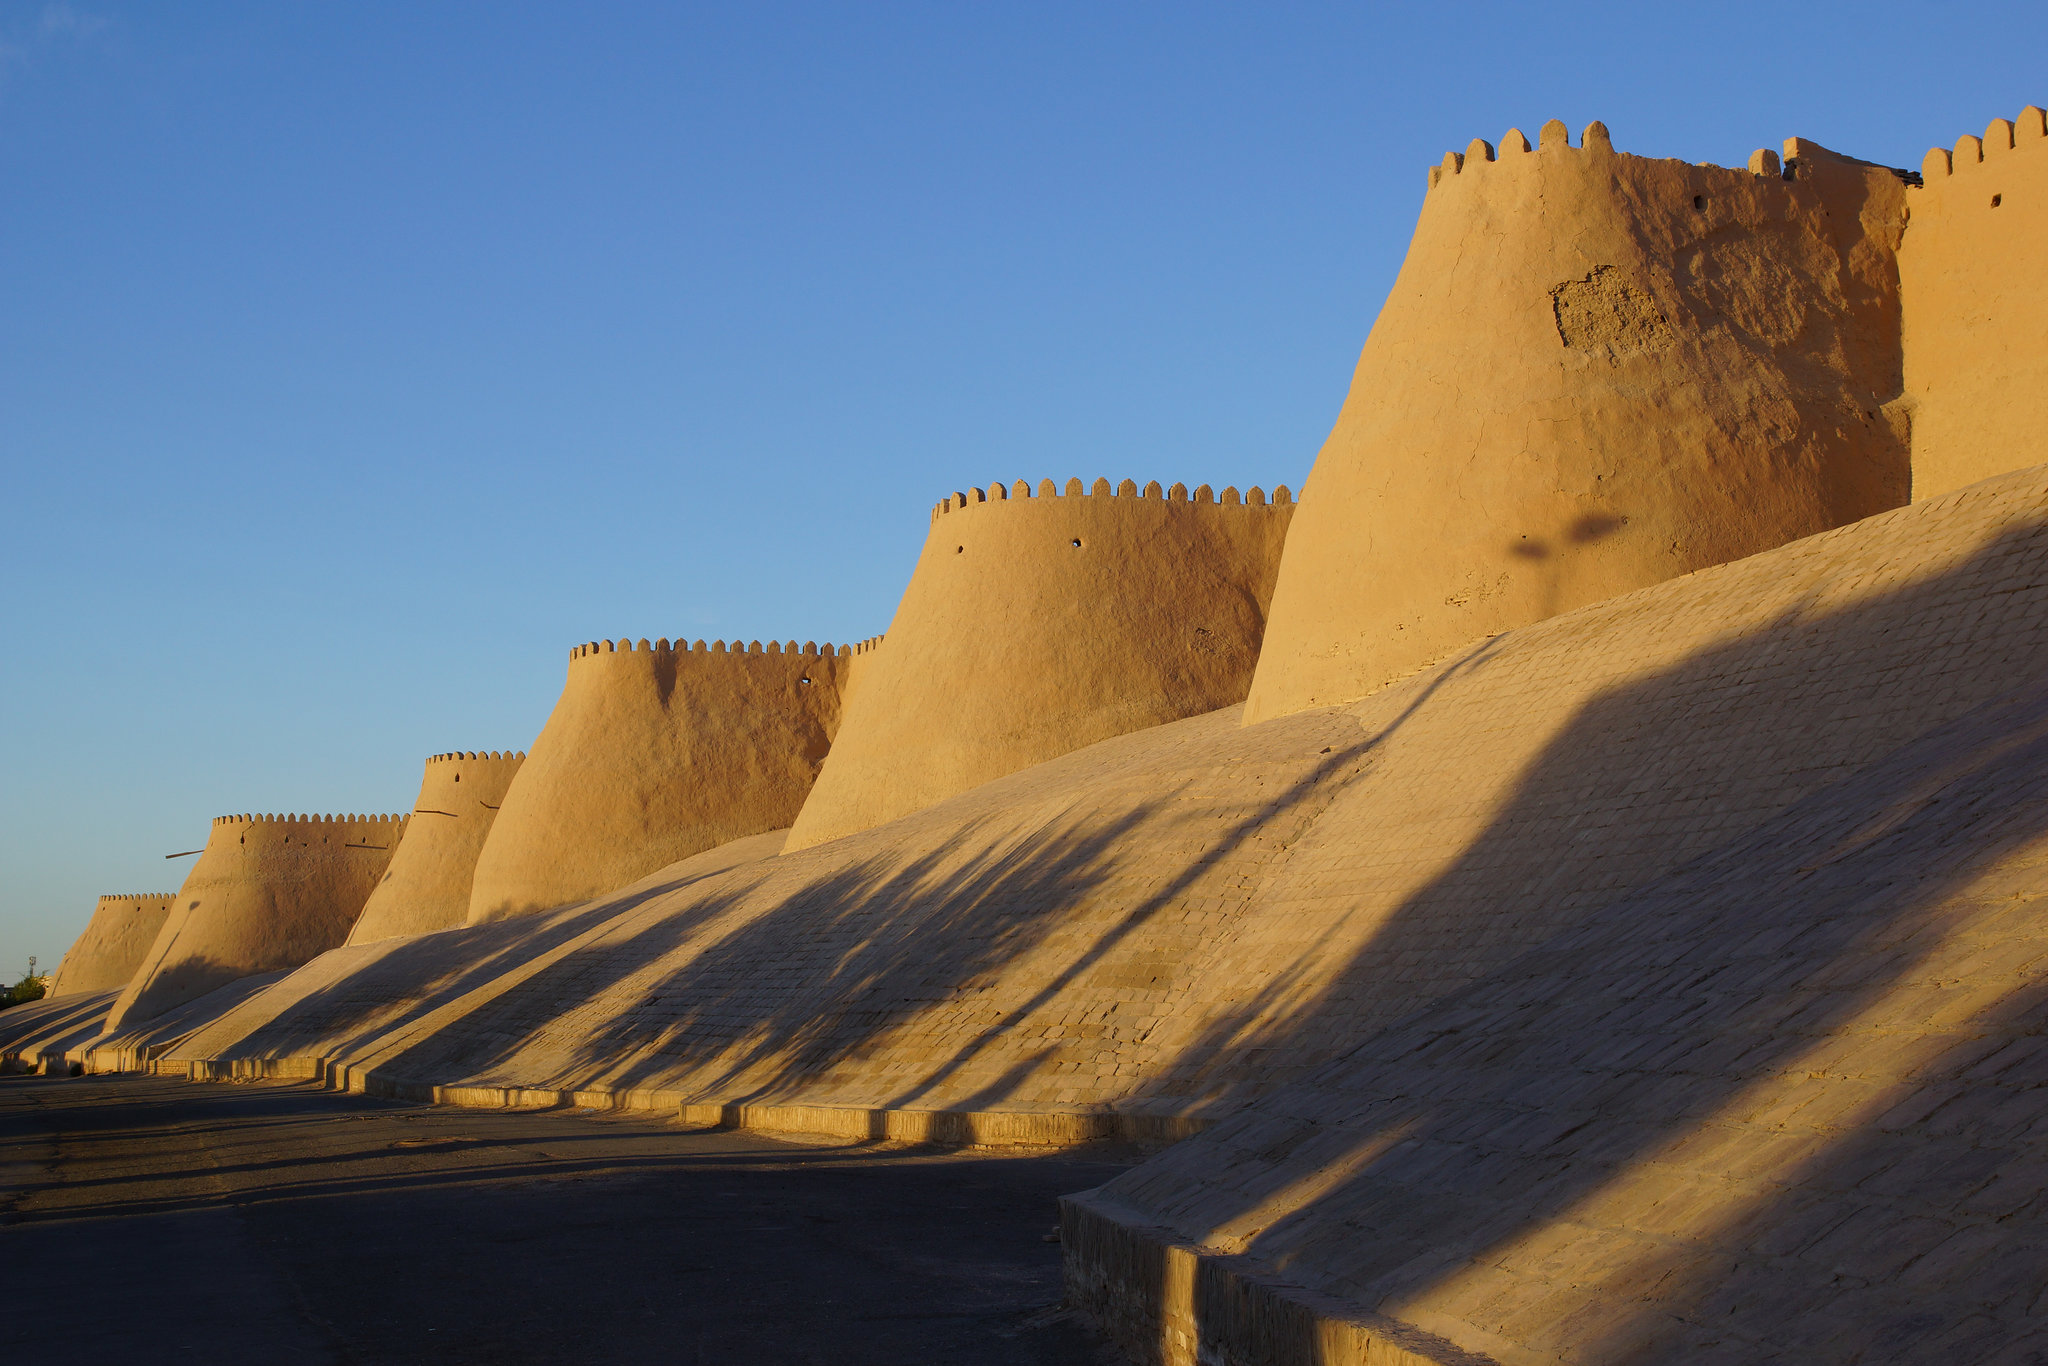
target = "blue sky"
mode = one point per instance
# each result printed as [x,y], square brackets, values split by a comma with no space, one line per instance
[356,360]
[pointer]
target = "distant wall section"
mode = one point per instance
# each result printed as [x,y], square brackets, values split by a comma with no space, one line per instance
[1975,315]
[427,885]
[1594,372]
[656,752]
[1035,625]
[115,941]
[268,892]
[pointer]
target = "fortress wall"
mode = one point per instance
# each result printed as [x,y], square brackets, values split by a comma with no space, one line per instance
[654,753]
[1782,1104]
[268,892]
[120,932]
[427,885]
[1975,306]
[1594,372]
[1036,623]
[364,992]
[1173,923]
[857,660]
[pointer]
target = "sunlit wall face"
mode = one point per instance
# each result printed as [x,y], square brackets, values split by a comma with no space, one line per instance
[354,359]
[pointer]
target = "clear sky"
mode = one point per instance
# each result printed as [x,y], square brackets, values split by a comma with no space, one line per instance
[357,360]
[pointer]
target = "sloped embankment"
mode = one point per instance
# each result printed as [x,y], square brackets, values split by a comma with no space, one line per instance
[1168,924]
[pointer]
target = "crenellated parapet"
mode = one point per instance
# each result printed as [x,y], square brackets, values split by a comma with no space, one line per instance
[1555,138]
[269,892]
[1944,165]
[658,750]
[1178,493]
[1097,610]
[288,824]
[105,956]
[718,647]
[1595,371]
[1974,330]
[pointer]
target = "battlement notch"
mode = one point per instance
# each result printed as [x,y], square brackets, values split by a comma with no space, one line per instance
[1972,153]
[1253,496]
[806,649]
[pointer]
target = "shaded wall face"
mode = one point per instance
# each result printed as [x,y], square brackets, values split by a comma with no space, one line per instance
[266,894]
[1034,626]
[427,885]
[1594,372]
[1975,304]
[651,755]
[113,945]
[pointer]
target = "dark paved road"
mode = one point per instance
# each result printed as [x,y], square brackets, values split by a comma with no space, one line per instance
[147,1220]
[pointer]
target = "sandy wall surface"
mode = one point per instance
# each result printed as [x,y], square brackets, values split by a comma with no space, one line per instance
[426,886]
[268,892]
[1178,921]
[1594,372]
[1975,315]
[652,754]
[113,944]
[1037,623]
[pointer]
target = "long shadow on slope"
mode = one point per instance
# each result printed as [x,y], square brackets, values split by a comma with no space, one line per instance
[1913,1234]
[1315,790]
[35,1022]
[413,979]
[1582,1030]
[830,969]
[832,964]
[1743,723]
[838,963]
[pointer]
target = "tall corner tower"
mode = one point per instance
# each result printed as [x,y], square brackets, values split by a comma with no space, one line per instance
[1975,295]
[427,885]
[117,937]
[268,893]
[654,753]
[1594,372]
[1035,625]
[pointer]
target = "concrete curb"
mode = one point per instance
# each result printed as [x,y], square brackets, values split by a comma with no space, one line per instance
[952,1128]
[1167,1302]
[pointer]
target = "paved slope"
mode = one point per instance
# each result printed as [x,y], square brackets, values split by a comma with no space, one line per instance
[1172,923]
[1781,1104]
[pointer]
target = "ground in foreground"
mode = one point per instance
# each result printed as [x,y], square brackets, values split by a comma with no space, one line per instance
[149,1219]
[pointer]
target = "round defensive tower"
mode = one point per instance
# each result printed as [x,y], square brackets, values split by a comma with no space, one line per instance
[1035,625]
[656,752]
[427,885]
[1594,372]
[120,932]
[268,893]
[1976,306]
